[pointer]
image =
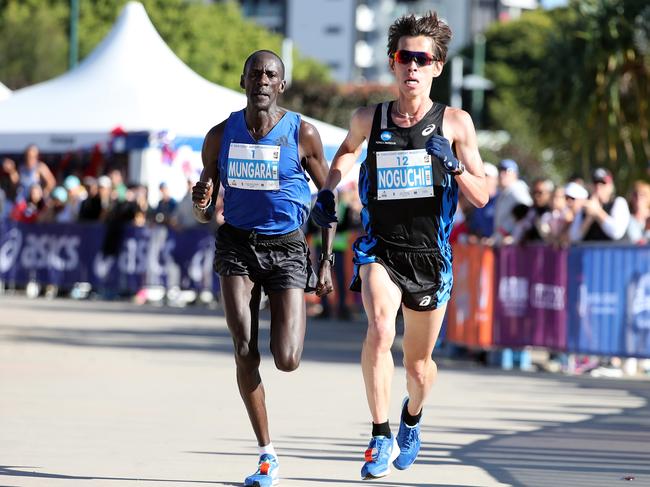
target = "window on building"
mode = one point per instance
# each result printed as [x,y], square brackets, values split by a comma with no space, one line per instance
[333,29]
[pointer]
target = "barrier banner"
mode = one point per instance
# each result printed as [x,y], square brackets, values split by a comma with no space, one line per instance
[531,297]
[63,254]
[470,311]
[609,296]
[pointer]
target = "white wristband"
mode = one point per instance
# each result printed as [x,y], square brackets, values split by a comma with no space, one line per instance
[203,208]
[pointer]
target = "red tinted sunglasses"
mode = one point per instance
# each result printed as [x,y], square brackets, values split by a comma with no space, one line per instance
[421,58]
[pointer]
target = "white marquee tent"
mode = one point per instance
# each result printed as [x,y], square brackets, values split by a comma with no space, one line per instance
[131,80]
[4,92]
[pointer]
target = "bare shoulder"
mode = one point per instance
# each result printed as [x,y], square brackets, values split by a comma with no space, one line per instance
[361,121]
[212,142]
[364,115]
[457,124]
[216,132]
[308,129]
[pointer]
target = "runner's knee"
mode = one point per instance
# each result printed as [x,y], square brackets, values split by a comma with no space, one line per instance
[244,356]
[381,334]
[287,361]
[421,370]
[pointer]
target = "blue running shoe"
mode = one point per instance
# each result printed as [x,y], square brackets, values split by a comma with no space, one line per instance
[408,439]
[379,455]
[267,473]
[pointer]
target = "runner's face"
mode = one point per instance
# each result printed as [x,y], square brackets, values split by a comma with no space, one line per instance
[412,79]
[263,81]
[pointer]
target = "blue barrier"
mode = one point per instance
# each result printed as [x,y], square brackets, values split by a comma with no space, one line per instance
[609,300]
[63,254]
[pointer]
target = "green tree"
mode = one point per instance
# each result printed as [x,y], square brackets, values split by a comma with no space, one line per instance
[596,101]
[214,39]
[514,61]
[572,87]
[33,42]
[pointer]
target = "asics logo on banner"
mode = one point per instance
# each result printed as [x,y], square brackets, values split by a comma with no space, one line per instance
[425,301]
[429,129]
[386,136]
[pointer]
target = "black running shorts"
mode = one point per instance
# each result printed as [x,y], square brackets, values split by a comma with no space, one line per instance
[276,262]
[421,275]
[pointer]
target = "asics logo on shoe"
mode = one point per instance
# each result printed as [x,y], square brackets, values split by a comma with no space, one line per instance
[425,301]
[429,129]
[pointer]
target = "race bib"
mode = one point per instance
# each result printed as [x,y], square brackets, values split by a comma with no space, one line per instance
[404,175]
[253,166]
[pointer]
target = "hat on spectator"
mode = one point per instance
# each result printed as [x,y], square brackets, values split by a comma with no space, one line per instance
[59,193]
[602,175]
[490,169]
[104,182]
[89,181]
[509,165]
[575,191]
[71,182]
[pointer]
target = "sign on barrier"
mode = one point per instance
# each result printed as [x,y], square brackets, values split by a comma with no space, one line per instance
[609,296]
[470,311]
[63,254]
[531,297]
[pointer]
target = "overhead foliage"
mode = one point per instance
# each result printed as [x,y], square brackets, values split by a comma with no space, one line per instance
[572,86]
[214,39]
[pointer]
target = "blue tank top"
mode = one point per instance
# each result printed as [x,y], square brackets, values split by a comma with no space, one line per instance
[265,186]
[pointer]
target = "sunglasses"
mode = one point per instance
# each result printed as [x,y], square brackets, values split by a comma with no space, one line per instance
[421,58]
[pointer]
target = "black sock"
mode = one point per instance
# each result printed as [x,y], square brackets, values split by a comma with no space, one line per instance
[408,419]
[381,429]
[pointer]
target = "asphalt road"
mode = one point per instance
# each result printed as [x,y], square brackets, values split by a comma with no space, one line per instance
[100,393]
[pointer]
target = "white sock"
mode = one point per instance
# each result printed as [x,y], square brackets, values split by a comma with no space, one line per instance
[268,449]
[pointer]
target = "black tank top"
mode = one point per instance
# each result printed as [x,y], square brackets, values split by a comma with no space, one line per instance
[415,203]
[595,231]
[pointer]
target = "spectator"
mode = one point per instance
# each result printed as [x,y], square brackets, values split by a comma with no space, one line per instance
[183,216]
[75,196]
[91,208]
[34,171]
[166,206]
[557,219]
[9,179]
[28,210]
[481,220]
[536,223]
[55,210]
[575,196]
[117,182]
[604,216]
[514,192]
[4,204]
[638,231]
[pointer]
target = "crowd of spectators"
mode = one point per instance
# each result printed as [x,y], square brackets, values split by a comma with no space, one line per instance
[516,213]
[29,193]
[577,211]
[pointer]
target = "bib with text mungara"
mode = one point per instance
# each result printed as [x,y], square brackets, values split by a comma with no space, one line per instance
[254,166]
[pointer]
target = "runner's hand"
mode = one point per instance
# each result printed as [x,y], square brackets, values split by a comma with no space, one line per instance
[202,193]
[324,285]
[324,211]
[439,146]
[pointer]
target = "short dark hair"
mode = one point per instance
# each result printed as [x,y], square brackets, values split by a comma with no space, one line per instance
[264,51]
[428,26]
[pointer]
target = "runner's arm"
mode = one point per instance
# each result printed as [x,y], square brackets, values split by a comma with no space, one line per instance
[205,191]
[472,180]
[313,160]
[350,149]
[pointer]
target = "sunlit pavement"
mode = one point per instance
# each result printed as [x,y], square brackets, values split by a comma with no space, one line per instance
[100,393]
